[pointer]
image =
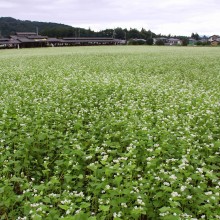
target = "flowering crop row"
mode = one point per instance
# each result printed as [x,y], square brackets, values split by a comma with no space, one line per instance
[110,133]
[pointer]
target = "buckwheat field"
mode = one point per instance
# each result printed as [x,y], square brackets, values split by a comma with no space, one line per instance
[110,132]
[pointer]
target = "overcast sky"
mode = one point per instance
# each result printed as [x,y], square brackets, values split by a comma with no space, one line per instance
[175,17]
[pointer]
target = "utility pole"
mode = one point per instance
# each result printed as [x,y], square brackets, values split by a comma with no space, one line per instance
[125,37]
[113,36]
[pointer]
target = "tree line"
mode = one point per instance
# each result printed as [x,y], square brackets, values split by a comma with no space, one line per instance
[9,26]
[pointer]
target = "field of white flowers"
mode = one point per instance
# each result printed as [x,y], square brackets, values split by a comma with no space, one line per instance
[115,132]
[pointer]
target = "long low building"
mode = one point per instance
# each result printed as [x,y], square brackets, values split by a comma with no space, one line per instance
[32,39]
[8,42]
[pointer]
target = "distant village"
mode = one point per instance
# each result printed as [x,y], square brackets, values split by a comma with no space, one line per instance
[32,39]
[203,41]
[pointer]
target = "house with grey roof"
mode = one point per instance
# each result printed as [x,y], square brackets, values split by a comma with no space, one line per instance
[8,43]
[174,41]
[168,41]
[214,40]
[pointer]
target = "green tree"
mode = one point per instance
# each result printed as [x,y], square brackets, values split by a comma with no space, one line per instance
[159,42]
[105,33]
[195,36]
[185,41]
[147,34]
[120,33]
[134,33]
[150,41]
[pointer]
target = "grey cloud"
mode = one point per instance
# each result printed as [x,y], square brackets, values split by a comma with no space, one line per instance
[157,15]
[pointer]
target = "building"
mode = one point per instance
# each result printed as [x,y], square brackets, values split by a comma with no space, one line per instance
[163,40]
[135,41]
[214,40]
[32,39]
[8,43]
[167,41]
[71,41]
[192,42]
[174,41]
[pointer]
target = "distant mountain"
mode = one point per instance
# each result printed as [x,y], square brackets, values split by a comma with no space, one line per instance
[9,26]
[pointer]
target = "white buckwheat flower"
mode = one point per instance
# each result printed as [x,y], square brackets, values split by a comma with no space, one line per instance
[175,194]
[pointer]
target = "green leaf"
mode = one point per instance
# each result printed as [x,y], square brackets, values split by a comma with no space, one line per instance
[157,203]
[37,217]
[159,194]
[64,207]
[2,190]
[16,179]
[68,178]
[164,209]
[118,180]
[108,171]
[176,210]
[104,208]
[217,144]
[42,136]
[167,189]
[85,205]
[80,216]
[92,218]
[46,200]
[54,180]
[80,176]
[171,217]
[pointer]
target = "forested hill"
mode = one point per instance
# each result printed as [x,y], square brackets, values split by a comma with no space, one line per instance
[8,26]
